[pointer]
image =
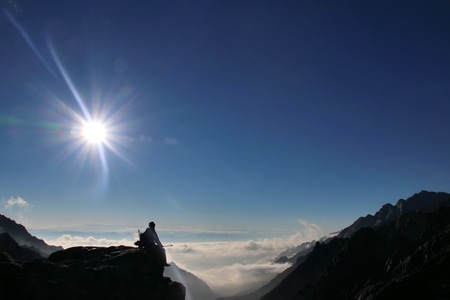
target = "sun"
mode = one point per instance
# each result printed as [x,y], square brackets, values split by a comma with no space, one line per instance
[94,132]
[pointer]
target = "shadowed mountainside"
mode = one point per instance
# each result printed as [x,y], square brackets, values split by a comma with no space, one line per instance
[10,247]
[88,273]
[407,255]
[24,238]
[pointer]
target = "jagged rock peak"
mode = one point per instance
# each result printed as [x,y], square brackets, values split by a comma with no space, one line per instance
[423,201]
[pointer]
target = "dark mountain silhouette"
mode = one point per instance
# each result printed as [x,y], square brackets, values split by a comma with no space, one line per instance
[89,273]
[423,201]
[10,248]
[402,251]
[196,289]
[24,238]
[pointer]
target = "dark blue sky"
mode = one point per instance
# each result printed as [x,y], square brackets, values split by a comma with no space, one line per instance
[242,114]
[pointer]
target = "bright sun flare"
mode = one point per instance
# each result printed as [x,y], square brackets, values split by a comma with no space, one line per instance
[94,132]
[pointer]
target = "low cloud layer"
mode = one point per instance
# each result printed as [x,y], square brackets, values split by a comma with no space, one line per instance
[68,240]
[227,267]
[231,266]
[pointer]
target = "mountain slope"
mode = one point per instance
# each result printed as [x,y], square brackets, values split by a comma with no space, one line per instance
[10,247]
[24,238]
[406,255]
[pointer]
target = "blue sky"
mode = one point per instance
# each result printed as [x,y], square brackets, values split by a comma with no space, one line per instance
[221,115]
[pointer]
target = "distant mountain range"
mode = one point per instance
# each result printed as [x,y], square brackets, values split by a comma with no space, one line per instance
[403,251]
[19,233]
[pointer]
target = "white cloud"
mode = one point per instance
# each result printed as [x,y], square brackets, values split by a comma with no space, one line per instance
[311,230]
[231,279]
[68,240]
[18,201]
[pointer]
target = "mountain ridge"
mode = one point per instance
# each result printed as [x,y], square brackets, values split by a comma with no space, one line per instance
[16,252]
[423,201]
[21,235]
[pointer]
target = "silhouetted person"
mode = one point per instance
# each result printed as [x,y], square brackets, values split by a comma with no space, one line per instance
[152,242]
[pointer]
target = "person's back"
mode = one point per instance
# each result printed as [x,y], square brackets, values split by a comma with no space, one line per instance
[148,239]
[151,243]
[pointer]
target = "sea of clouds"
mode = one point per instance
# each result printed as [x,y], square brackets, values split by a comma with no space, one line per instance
[228,267]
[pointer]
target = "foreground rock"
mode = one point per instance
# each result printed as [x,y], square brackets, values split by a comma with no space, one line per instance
[88,273]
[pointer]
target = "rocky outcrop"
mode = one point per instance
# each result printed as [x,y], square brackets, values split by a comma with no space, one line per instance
[89,273]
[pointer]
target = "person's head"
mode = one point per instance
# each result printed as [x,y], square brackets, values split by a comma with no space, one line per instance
[151,225]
